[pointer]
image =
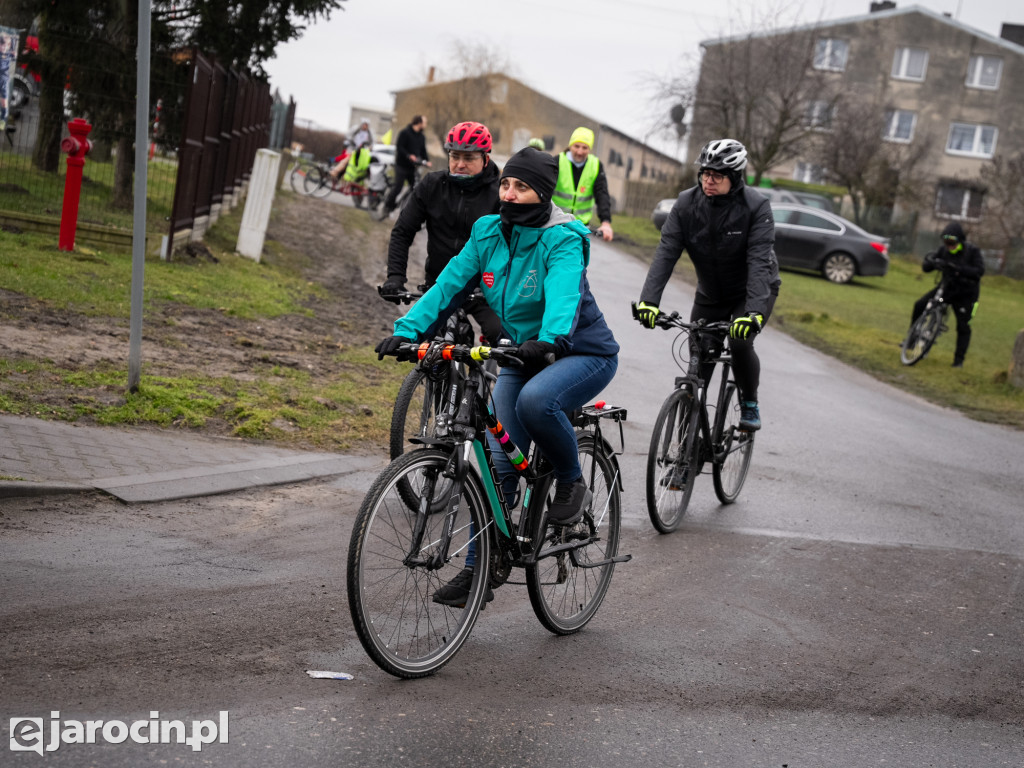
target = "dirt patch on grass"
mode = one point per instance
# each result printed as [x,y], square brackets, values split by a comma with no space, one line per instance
[342,250]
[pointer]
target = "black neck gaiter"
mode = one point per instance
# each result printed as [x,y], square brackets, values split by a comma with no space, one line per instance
[522,215]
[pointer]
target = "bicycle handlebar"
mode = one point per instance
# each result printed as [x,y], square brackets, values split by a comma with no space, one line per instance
[668,320]
[460,353]
[398,297]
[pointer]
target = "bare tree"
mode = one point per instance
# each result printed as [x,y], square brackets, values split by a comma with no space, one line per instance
[465,87]
[875,173]
[1003,222]
[757,87]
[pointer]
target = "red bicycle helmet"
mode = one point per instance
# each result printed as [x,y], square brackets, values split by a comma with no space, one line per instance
[469,137]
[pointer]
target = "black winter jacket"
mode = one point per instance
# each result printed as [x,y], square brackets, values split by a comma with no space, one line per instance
[410,142]
[449,211]
[963,269]
[730,240]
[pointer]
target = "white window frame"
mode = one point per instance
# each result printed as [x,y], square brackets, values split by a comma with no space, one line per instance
[809,173]
[965,203]
[975,68]
[892,121]
[820,115]
[976,149]
[826,49]
[901,63]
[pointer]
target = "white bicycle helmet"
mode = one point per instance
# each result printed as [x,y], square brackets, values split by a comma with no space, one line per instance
[723,155]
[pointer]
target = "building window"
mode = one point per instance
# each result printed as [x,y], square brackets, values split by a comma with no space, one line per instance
[820,115]
[899,125]
[984,72]
[973,140]
[809,173]
[955,201]
[830,53]
[499,92]
[910,64]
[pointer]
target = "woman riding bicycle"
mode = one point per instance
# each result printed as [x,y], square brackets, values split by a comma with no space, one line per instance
[530,263]
[728,231]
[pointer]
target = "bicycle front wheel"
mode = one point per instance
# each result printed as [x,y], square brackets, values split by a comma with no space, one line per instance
[733,449]
[297,177]
[391,580]
[672,465]
[921,336]
[567,589]
[316,182]
[416,408]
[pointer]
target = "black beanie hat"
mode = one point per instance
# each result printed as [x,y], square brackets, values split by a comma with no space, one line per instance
[536,168]
[954,229]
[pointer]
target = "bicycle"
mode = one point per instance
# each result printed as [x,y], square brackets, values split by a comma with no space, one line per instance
[426,400]
[685,436]
[404,548]
[378,211]
[318,182]
[926,329]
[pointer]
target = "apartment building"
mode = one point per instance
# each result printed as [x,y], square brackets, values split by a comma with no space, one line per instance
[955,90]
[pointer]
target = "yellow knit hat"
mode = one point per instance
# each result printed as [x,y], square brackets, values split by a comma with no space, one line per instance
[583,136]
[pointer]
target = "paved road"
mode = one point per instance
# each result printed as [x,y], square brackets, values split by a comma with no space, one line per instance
[860,605]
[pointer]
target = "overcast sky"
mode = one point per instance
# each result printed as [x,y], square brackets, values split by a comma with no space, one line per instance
[596,56]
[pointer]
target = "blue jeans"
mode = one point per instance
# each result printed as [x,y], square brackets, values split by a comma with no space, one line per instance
[532,406]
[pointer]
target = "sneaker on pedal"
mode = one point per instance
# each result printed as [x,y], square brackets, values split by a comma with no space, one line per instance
[456,592]
[570,502]
[676,478]
[750,416]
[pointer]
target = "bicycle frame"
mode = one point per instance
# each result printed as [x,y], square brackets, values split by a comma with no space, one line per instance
[520,541]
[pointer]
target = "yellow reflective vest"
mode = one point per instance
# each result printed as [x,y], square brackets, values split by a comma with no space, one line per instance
[579,201]
[358,166]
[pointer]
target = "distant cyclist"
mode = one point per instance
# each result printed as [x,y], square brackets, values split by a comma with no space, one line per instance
[449,202]
[729,233]
[962,264]
[410,151]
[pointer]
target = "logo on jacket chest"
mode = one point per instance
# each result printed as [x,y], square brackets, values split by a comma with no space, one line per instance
[528,287]
[489,279]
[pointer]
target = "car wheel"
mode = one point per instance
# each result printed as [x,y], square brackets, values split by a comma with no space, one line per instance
[839,268]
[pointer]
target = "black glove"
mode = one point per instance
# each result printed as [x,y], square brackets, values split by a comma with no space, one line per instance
[536,352]
[390,345]
[391,287]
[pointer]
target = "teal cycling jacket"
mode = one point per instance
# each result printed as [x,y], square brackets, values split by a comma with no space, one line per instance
[536,282]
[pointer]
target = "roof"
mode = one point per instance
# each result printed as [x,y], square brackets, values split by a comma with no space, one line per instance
[877,15]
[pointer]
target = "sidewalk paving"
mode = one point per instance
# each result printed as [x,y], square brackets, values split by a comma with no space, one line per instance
[39,457]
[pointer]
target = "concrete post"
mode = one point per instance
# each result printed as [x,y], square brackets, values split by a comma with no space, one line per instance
[1017,362]
[259,201]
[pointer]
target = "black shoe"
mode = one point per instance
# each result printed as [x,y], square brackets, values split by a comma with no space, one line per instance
[676,478]
[456,592]
[570,502]
[958,363]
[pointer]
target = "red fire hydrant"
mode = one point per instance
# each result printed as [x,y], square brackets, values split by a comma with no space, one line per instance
[77,147]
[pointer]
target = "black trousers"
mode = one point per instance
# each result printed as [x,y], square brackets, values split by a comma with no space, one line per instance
[402,175]
[746,365]
[963,303]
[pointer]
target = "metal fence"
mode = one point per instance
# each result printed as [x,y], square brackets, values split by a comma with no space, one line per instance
[185,179]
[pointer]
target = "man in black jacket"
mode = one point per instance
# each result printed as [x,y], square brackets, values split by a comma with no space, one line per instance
[962,266]
[410,151]
[449,203]
[729,233]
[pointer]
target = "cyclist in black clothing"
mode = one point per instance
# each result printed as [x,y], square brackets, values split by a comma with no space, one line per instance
[449,202]
[729,233]
[963,266]
[410,150]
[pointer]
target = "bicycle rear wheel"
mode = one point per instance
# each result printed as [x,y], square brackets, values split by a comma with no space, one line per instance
[672,465]
[921,336]
[733,449]
[297,177]
[565,593]
[403,630]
